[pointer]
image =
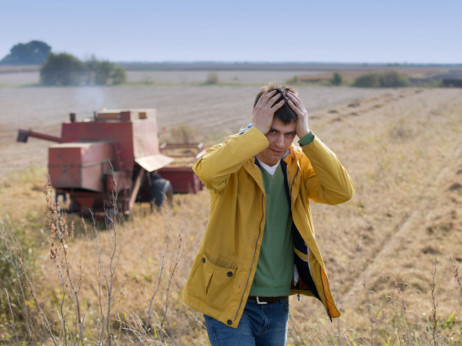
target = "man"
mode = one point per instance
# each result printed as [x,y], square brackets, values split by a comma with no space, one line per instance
[259,245]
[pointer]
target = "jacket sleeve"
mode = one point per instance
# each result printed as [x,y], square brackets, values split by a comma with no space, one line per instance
[326,180]
[222,160]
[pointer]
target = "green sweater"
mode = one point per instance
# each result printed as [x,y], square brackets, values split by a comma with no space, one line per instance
[276,263]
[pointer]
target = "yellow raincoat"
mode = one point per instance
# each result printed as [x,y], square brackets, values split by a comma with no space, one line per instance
[222,274]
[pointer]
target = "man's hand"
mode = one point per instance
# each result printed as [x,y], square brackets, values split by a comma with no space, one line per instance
[263,112]
[297,106]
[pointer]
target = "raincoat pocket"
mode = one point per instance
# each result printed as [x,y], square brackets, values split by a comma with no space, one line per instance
[216,281]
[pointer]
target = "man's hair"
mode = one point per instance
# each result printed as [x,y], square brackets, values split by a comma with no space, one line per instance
[285,113]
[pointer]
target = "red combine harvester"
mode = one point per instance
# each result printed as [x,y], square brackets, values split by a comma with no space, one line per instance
[116,151]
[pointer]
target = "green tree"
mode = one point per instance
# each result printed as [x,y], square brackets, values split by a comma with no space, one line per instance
[393,79]
[104,72]
[32,53]
[387,79]
[65,69]
[337,79]
[118,75]
[368,80]
[62,69]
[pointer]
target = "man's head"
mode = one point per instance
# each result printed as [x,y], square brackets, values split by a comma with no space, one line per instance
[283,127]
[285,114]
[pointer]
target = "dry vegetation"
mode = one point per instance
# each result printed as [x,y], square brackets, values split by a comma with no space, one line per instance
[351,73]
[393,252]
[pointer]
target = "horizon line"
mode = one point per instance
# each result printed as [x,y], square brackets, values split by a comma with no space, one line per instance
[283,62]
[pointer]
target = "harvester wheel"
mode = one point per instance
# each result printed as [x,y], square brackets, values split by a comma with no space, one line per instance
[161,191]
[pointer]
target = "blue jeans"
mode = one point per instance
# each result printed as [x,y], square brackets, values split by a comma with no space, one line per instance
[259,325]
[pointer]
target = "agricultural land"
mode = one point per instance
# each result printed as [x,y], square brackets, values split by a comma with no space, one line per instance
[392,253]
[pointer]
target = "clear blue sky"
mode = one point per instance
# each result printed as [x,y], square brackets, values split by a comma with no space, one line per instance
[236,30]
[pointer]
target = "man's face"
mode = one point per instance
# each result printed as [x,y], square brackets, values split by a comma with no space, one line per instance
[280,137]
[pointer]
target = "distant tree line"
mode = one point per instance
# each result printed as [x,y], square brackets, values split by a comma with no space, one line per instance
[65,69]
[386,79]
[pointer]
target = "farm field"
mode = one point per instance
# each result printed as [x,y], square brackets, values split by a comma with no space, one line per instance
[391,252]
[209,110]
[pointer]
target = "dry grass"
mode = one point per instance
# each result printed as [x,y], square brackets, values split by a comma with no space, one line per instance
[393,252]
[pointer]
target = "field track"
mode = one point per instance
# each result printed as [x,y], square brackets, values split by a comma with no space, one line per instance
[450,175]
